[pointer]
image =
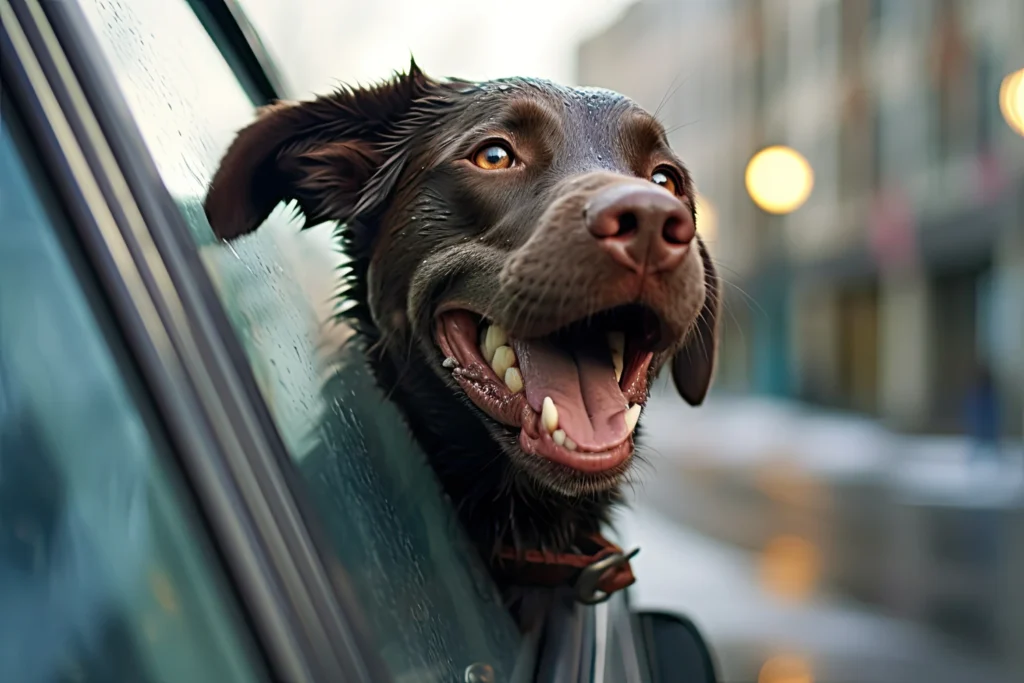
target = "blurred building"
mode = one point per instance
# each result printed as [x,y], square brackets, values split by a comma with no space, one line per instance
[905,268]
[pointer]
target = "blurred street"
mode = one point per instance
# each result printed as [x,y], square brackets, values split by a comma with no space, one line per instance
[834,640]
[772,608]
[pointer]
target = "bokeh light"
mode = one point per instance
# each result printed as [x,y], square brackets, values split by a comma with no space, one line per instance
[707,220]
[790,567]
[779,179]
[786,669]
[1011,100]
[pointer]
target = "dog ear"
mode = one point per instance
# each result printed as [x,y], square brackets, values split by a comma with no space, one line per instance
[337,156]
[694,365]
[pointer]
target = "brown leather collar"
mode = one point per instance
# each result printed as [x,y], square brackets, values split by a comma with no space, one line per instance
[597,570]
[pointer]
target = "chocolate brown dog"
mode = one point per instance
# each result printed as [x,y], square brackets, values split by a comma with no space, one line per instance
[526,260]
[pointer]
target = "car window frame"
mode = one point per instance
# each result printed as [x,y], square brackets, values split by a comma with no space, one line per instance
[233,33]
[156,475]
[178,335]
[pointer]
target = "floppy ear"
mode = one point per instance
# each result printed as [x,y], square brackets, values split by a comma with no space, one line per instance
[337,156]
[694,364]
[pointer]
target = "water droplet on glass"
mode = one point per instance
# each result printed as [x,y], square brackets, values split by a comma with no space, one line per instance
[479,673]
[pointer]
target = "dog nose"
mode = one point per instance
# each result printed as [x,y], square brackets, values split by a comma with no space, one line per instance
[642,226]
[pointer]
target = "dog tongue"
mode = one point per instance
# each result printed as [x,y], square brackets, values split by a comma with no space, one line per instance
[581,381]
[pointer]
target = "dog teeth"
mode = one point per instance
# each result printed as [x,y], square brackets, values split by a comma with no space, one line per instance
[493,338]
[617,344]
[570,444]
[632,417]
[558,436]
[449,363]
[514,380]
[549,415]
[504,358]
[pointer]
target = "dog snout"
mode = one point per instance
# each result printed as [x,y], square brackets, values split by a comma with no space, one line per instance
[643,227]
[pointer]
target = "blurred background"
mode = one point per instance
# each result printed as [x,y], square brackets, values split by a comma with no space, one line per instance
[849,505]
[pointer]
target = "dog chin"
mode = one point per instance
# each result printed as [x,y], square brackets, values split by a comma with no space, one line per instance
[547,476]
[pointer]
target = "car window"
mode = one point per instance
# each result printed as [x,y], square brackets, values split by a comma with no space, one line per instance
[427,599]
[617,656]
[104,575]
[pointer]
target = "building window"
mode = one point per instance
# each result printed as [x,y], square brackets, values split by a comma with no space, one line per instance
[986,94]
[878,122]
[826,29]
[876,16]
[949,58]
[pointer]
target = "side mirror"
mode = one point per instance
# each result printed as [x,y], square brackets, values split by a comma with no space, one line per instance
[674,650]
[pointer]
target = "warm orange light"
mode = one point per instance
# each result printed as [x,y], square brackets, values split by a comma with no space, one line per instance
[1011,100]
[779,179]
[707,220]
[786,669]
[790,567]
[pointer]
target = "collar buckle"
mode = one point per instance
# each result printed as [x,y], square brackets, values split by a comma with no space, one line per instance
[587,589]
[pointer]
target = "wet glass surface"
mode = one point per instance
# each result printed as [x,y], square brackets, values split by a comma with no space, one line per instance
[103,574]
[431,606]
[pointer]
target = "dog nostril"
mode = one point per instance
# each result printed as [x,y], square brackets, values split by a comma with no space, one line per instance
[677,231]
[628,223]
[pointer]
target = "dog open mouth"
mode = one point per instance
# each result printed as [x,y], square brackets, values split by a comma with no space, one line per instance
[576,395]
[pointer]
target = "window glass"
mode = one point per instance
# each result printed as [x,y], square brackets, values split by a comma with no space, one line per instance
[616,655]
[430,603]
[103,575]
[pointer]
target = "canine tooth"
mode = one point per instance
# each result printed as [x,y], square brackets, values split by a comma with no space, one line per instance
[617,342]
[449,363]
[504,358]
[632,417]
[558,436]
[494,337]
[549,415]
[570,444]
[485,351]
[488,354]
[498,335]
[514,380]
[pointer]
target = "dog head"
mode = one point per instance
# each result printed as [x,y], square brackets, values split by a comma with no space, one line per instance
[525,258]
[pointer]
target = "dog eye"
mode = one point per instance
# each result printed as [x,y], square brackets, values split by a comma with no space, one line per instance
[493,158]
[666,179]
